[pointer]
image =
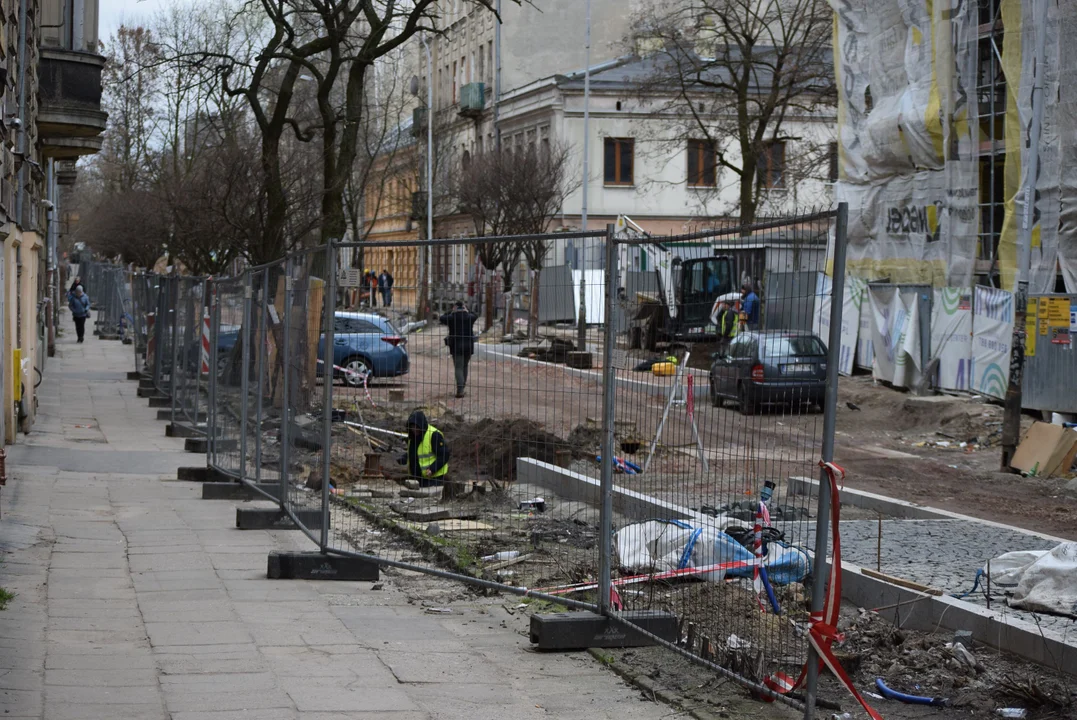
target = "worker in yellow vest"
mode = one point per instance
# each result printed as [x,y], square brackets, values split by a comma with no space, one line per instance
[427,457]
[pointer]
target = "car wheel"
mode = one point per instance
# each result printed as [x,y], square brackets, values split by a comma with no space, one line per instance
[716,399]
[356,368]
[747,403]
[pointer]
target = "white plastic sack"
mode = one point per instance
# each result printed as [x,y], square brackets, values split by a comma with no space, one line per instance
[657,546]
[1006,569]
[1050,584]
[661,546]
[1046,580]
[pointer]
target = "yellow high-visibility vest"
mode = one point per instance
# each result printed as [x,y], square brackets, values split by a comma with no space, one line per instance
[426,453]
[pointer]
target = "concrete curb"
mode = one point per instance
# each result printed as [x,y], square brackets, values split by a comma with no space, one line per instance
[576,487]
[928,613]
[701,388]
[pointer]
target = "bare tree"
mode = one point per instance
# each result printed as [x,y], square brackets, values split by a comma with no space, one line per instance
[516,194]
[329,45]
[129,96]
[740,76]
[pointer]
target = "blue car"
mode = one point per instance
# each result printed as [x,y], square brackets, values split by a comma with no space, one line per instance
[364,344]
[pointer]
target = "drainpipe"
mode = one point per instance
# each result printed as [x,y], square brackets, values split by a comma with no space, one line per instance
[20,192]
[50,259]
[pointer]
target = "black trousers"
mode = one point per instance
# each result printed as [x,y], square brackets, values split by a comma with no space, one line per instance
[80,327]
[460,363]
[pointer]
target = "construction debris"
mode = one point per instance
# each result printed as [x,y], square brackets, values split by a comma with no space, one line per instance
[1046,450]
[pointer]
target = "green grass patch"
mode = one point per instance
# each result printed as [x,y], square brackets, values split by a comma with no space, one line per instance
[5,598]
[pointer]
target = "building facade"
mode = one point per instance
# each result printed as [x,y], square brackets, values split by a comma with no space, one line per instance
[51,83]
[519,87]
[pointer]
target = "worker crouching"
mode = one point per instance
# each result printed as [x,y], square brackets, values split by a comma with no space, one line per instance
[427,457]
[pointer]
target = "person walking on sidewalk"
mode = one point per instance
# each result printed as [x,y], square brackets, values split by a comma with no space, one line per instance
[461,342]
[427,456]
[80,310]
[385,285]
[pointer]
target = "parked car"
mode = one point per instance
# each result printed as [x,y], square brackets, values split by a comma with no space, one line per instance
[363,344]
[770,367]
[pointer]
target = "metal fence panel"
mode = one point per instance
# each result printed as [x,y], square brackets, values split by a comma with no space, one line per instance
[164,328]
[710,470]
[188,405]
[303,417]
[226,401]
[570,466]
[1050,357]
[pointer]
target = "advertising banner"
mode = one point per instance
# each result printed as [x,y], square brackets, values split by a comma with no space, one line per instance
[992,326]
[850,318]
[951,336]
[895,334]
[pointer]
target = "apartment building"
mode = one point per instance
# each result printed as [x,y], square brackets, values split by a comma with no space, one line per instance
[520,87]
[50,80]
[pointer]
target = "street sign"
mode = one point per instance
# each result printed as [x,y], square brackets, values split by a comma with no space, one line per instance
[349,277]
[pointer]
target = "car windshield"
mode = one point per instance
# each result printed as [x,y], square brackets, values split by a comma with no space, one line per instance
[793,346]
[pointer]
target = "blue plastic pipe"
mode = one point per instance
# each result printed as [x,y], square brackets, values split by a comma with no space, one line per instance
[908,699]
[770,590]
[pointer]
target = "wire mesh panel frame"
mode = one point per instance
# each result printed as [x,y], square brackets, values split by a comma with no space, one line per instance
[322,406]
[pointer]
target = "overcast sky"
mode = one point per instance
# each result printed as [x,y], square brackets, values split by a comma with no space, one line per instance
[131,12]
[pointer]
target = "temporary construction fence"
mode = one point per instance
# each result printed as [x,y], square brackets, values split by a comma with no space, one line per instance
[961,338]
[110,295]
[555,460]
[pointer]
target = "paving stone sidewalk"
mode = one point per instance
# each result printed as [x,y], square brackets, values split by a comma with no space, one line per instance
[137,599]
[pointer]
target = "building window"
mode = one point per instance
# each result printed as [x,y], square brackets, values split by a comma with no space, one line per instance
[480,71]
[465,160]
[832,156]
[702,170]
[454,71]
[772,165]
[618,160]
[490,62]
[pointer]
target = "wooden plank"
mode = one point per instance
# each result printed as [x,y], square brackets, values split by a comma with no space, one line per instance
[901,582]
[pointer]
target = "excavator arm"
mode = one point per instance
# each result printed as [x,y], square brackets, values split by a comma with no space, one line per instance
[659,255]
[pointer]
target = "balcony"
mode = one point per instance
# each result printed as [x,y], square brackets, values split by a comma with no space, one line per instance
[472,99]
[70,120]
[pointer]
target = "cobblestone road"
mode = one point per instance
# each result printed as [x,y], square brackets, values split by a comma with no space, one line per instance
[943,554]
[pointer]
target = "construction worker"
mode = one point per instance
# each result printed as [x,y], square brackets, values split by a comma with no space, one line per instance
[726,319]
[427,457]
[749,308]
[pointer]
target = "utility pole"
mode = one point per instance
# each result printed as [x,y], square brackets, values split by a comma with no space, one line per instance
[425,253]
[1011,425]
[581,322]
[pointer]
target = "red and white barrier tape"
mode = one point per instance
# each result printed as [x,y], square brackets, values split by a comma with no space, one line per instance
[352,373]
[824,625]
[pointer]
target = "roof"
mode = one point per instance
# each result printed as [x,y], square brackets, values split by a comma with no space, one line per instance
[631,71]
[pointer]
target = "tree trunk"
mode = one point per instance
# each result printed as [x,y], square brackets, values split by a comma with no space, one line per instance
[509,298]
[488,319]
[533,317]
[272,247]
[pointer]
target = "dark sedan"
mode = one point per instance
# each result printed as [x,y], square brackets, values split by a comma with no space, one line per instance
[770,367]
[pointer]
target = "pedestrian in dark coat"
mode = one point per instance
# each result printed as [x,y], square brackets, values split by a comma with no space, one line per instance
[461,342]
[79,303]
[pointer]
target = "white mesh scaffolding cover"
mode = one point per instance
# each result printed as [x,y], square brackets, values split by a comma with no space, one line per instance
[906,153]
